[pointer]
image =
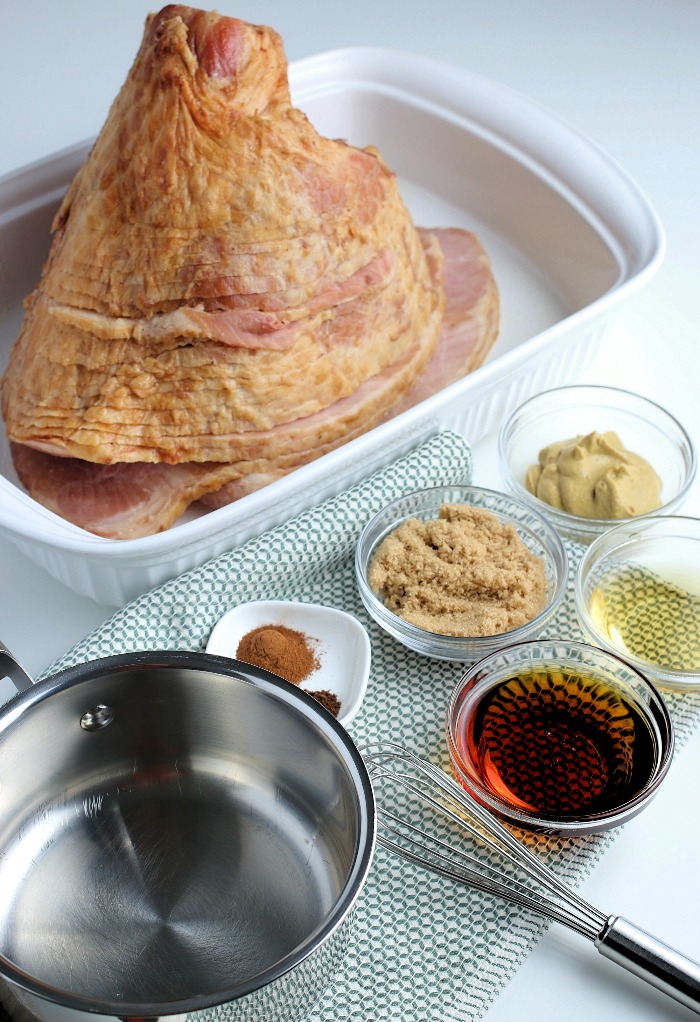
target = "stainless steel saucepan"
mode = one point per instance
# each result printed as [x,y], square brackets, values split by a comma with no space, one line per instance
[178,831]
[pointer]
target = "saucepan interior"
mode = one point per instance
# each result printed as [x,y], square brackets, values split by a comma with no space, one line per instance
[178,831]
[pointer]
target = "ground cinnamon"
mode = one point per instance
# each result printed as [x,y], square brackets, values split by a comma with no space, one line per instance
[327,699]
[284,651]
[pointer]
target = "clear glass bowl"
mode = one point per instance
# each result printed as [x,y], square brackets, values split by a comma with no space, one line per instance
[637,594]
[559,736]
[534,531]
[643,427]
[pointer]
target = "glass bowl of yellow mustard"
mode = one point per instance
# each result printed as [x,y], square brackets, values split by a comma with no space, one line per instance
[637,594]
[591,457]
[455,572]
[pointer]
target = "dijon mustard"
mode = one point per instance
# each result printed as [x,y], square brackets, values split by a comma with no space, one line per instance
[595,476]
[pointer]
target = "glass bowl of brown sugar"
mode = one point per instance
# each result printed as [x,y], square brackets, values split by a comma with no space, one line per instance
[454,572]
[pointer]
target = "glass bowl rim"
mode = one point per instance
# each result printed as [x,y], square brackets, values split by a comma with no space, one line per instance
[585,823]
[579,523]
[451,646]
[667,677]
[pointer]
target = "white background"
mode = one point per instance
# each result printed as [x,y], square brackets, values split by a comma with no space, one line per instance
[626,73]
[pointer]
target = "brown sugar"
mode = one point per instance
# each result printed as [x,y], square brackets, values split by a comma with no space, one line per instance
[465,573]
[284,651]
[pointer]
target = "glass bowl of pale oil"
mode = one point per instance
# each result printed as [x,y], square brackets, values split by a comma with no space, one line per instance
[559,736]
[637,592]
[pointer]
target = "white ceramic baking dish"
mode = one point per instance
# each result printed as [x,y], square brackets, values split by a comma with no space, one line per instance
[569,235]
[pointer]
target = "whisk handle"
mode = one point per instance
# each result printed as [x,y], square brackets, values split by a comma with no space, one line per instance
[650,959]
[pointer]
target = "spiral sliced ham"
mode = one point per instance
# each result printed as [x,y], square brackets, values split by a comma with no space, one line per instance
[228,294]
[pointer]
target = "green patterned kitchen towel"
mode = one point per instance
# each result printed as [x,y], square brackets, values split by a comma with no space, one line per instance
[422,949]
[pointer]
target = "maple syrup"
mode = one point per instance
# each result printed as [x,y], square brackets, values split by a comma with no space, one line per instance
[557,743]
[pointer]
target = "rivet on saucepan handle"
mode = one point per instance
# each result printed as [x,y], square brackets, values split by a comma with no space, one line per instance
[97,717]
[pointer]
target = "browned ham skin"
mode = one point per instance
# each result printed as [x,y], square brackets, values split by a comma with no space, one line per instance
[126,501]
[228,295]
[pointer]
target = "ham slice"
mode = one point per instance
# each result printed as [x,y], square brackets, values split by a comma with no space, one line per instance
[228,294]
[470,320]
[469,328]
[123,501]
[126,501]
[238,327]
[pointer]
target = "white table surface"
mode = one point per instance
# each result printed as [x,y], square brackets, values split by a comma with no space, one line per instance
[627,73]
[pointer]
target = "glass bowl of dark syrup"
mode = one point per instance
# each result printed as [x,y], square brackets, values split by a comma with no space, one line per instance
[559,736]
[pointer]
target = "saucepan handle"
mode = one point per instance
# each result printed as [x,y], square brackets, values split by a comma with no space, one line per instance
[12,669]
[652,960]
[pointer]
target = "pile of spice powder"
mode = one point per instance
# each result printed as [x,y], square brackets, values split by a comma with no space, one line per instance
[327,699]
[281,650]
[287,653]
[465,573]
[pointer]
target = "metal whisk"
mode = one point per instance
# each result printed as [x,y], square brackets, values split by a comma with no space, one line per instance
[436,804]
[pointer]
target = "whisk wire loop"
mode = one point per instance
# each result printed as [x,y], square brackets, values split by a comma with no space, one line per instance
[519,876]
[538,888]
[481,877]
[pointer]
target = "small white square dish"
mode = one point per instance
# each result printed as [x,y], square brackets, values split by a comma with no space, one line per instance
[339,644]
[569,234]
